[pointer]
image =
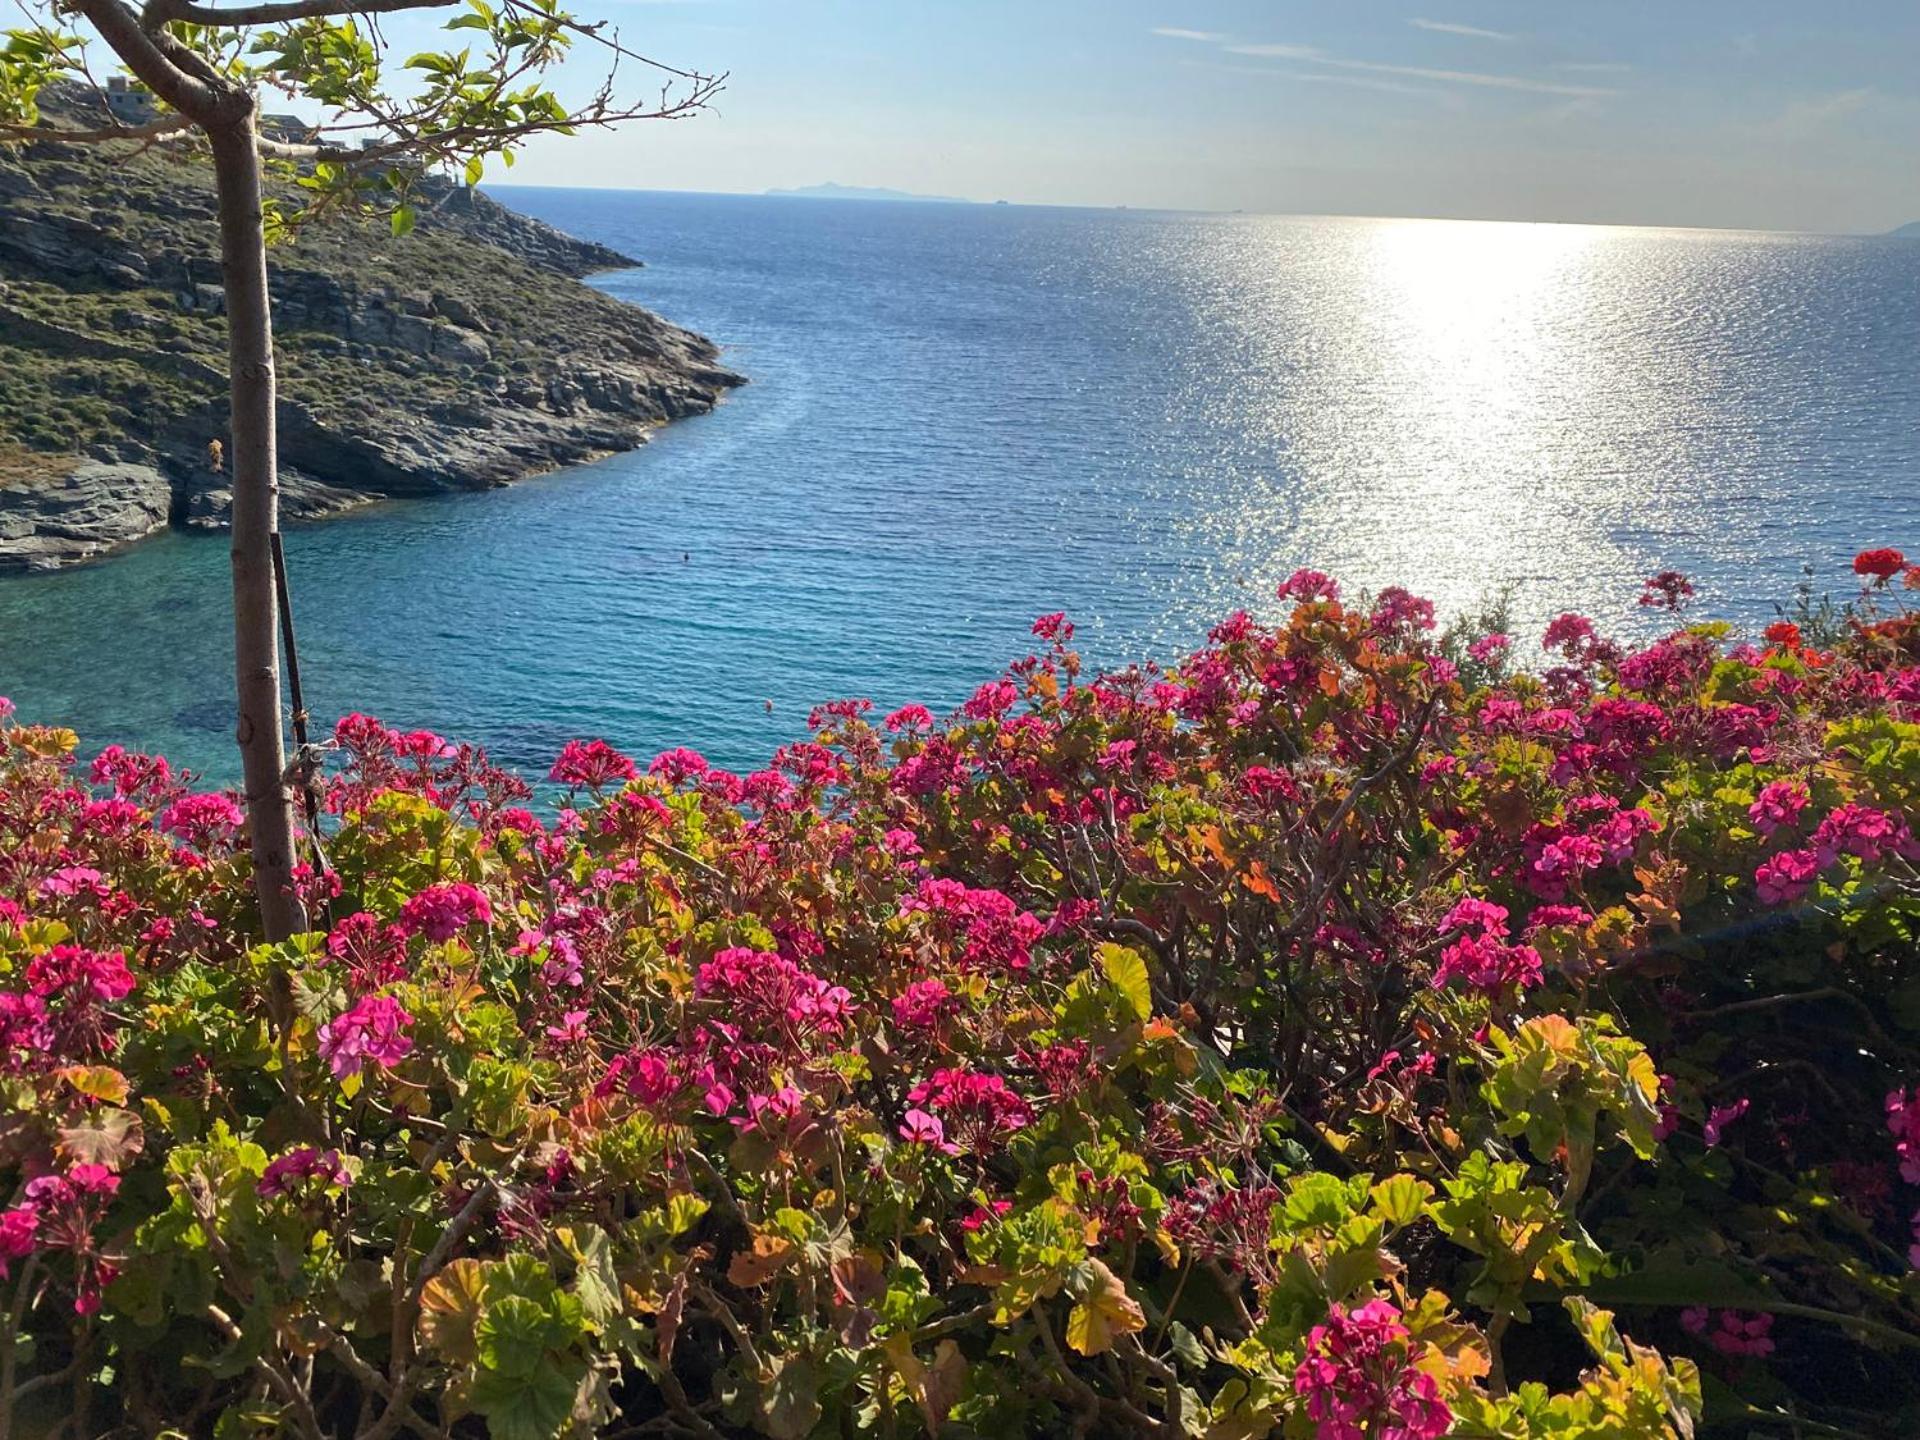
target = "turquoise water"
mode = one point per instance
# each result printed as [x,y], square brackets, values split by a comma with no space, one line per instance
[962,417]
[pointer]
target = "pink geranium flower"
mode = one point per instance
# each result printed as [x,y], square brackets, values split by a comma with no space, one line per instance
[920,1128]
[1785,878]
[1358,1381]
[441,912]
[375,1029]
[592,763]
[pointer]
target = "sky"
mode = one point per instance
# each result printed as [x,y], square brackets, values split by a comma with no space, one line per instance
[1772,114]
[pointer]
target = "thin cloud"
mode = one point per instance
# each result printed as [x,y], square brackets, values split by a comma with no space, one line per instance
[1471,32]
[1594,67]
[1174,32]
[1268,72]
[1392,87]
[1275,52]
[1806,118]
[1478,78]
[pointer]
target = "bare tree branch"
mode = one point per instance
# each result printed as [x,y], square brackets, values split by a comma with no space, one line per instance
[277,12]
[156,130]
[595,32]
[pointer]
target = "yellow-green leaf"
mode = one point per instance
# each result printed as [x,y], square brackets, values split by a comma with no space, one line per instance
[683,1212]
[1105,1312]
[1126,971]
[1399,1199]
[450,1311]
[99,1082]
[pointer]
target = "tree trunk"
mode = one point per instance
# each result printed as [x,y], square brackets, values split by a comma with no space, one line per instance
[254,468]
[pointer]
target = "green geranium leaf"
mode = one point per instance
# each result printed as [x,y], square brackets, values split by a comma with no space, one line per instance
[1126,971]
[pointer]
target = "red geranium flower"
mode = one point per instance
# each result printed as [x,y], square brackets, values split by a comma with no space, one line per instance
[1880,564]
[1784,632]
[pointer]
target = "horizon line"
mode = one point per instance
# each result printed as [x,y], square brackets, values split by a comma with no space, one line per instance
[907,198]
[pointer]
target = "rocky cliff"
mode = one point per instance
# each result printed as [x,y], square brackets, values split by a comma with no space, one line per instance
[464,356]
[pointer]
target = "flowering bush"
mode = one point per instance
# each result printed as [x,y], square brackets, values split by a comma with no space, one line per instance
[1338,1033]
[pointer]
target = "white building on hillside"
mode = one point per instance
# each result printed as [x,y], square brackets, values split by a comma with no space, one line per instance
[130,104]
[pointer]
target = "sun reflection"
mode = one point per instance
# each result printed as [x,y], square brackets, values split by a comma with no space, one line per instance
[1428,424]
[1484,371]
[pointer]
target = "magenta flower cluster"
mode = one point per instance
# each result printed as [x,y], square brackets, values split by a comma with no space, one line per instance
[1481,956]
[1357,1381]
[373,1030]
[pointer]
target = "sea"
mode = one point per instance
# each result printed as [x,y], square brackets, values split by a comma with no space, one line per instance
[964,416]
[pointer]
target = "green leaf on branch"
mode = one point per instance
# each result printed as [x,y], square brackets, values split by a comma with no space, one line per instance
[597,1285]
[533,1406]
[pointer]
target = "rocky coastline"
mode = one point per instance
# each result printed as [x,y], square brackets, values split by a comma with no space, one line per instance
[464,356]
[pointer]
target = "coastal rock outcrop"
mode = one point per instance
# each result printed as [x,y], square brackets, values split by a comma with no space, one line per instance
[465,356]
[301,498]
[55,519]
[478,216]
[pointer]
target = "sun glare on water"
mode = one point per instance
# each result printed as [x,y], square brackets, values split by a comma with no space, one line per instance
[1444,413]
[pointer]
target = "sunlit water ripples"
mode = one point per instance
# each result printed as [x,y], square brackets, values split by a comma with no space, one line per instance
[962,417]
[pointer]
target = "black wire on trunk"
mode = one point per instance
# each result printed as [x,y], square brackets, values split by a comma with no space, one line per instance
[305,761]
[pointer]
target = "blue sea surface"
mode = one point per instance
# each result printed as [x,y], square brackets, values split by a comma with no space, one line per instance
[965,416]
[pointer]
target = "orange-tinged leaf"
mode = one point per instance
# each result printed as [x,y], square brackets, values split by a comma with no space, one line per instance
[768,1257]
[983,1275]
[935,1388]
[1449,1350]
[49,742]
[1105,1312]
[450,1311]
[1260,882]
[942,1385]
[99,1082]
[1207,838]
[859,1278]
[1553,1032]
[1509,809]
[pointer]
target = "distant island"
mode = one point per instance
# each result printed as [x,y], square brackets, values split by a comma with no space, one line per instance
[831,191]
[1910,231]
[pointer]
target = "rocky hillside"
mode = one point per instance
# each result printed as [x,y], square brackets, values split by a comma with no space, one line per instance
[464,356]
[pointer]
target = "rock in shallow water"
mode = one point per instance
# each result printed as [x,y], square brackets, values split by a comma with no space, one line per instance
[301,498]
